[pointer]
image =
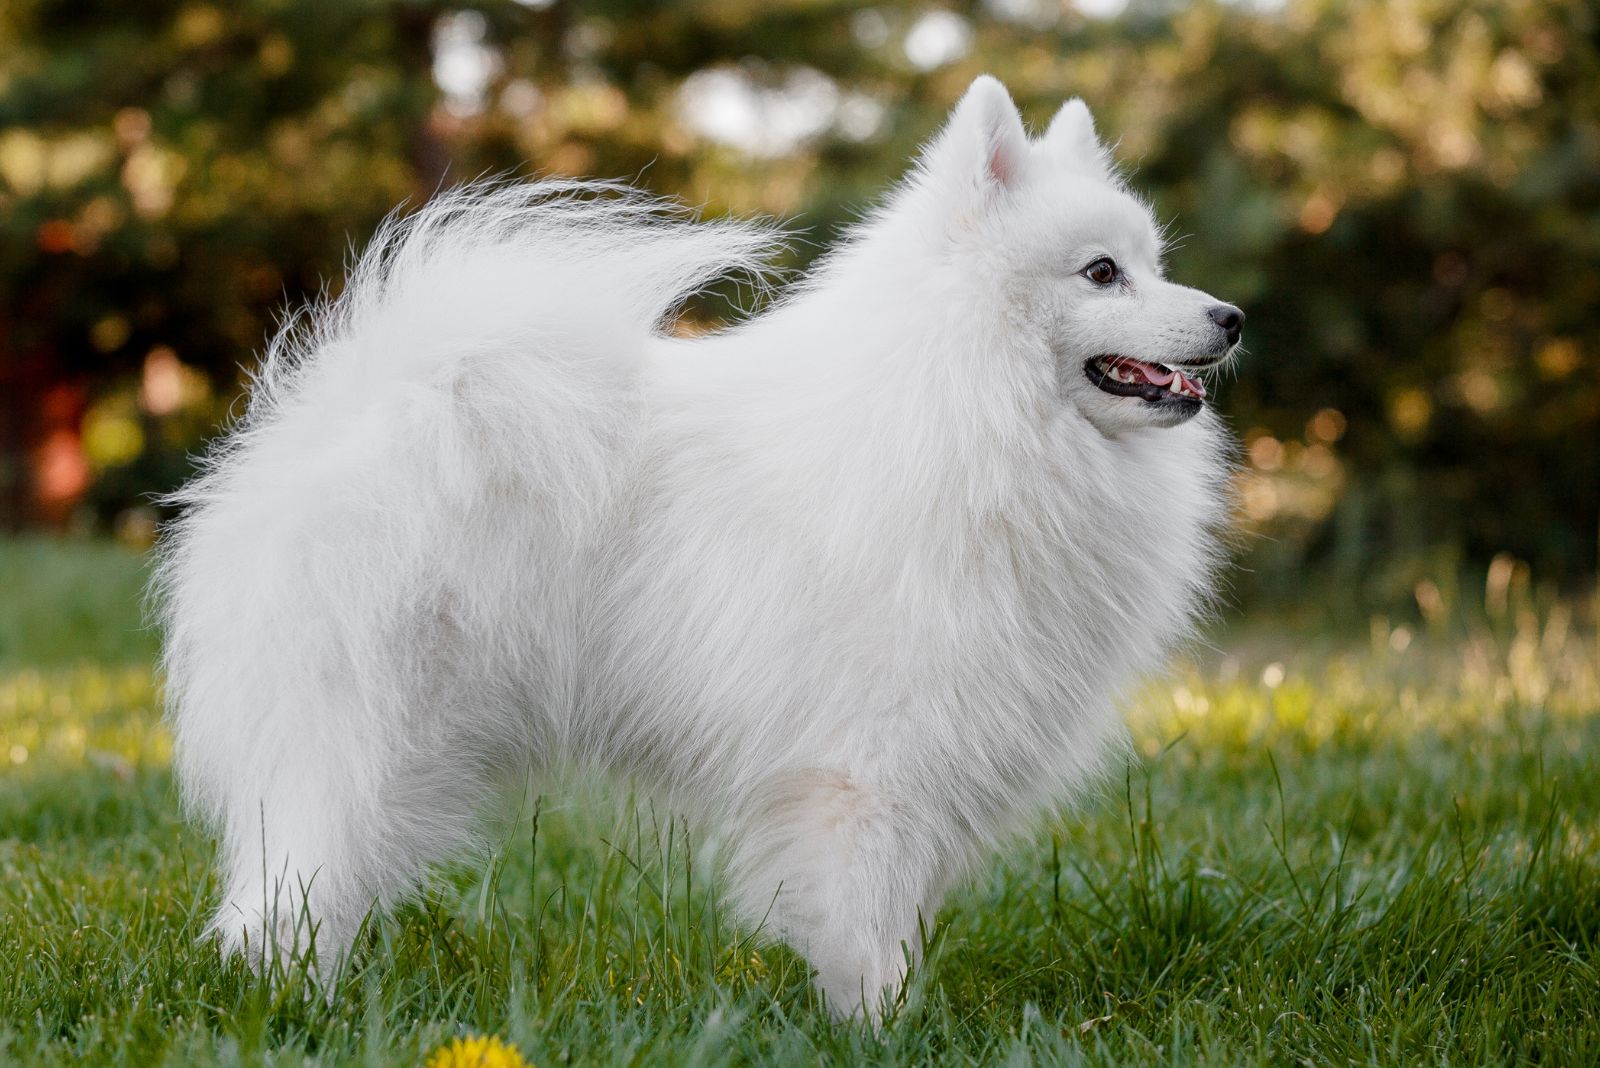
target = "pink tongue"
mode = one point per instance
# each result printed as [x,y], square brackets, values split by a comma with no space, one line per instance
[1157,377]
[1146,371]
[1151,374]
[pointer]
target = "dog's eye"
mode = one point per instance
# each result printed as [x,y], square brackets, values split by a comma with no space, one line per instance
[1102,272]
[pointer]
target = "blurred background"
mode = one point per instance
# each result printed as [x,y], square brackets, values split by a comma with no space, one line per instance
[1405,197]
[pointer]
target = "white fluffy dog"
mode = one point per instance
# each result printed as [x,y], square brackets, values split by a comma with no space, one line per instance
[856,583]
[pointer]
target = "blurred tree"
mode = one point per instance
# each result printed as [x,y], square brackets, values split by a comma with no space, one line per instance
[1404,197]
[170,174]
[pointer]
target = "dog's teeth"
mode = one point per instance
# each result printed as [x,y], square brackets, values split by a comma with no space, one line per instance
[1176,385]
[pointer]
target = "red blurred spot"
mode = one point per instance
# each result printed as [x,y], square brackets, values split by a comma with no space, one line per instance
[57,235]
[61,406]
[60,471]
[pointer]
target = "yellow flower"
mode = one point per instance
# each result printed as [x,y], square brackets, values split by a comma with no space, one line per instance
[477,1051]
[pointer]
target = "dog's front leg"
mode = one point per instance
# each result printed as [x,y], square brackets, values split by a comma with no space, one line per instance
[841,870]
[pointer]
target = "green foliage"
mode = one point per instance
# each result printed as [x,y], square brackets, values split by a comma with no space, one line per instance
[1406,199]
[1375,853]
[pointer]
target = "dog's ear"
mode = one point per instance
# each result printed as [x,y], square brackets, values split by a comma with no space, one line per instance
[1072,141]
[982,148]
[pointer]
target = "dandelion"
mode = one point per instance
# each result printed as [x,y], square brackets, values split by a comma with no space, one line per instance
[477,1051]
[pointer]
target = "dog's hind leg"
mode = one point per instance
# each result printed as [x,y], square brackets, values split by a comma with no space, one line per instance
[845,874]
[338,792]
[297,865]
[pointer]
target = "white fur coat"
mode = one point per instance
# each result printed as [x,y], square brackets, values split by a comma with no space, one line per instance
[857,582]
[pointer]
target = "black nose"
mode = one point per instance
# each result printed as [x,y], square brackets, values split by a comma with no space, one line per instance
[1230,319]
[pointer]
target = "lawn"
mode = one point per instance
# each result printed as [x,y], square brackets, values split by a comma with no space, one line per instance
[1384,849]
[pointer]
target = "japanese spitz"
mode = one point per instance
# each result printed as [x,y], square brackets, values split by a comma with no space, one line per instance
[855,583]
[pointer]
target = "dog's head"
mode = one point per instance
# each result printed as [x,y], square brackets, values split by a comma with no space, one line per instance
[1078,258]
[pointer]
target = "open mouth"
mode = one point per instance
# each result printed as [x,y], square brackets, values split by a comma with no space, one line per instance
[1154,383]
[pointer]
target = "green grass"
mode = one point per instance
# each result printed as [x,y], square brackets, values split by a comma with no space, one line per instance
[1386,851]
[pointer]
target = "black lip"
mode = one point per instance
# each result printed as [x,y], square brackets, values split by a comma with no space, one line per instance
[1150,394]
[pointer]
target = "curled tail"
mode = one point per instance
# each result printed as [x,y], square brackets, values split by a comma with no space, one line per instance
[366,597]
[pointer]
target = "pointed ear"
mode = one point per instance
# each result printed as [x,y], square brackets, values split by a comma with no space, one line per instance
[1072,141]
[983,146]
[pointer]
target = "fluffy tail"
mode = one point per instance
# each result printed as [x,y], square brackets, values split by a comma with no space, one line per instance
[365,600]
